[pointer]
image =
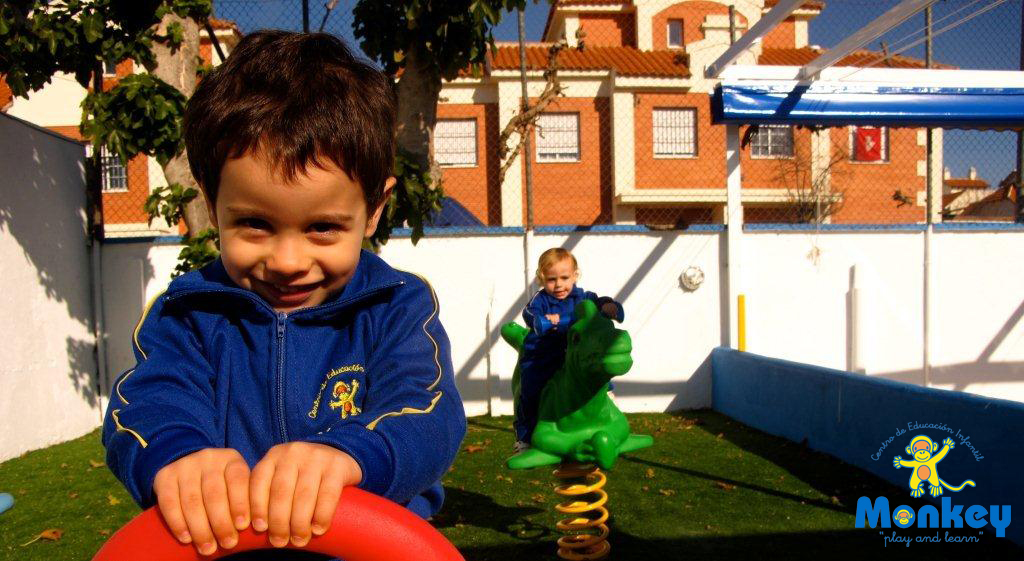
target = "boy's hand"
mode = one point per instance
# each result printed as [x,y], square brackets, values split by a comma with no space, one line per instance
[204,497]
[298,484]
[553,318]
[609,309]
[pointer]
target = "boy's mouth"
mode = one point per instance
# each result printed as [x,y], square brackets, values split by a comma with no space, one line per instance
[289,294]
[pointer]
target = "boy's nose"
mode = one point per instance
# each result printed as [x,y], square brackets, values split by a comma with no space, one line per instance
[287,259]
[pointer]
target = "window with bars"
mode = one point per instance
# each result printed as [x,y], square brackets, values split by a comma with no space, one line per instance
[772,141]
[115,176]
[558,137]
[675,33]
[869,144]
[455,142]
[675,132]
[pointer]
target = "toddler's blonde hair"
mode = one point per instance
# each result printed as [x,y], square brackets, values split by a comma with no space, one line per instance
[552,256]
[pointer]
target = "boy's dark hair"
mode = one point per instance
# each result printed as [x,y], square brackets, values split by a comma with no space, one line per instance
[295,99]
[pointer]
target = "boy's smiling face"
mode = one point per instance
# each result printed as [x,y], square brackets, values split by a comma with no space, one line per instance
[560,278]
[295,243]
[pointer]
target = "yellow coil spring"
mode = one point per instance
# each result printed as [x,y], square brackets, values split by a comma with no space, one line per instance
[587,532]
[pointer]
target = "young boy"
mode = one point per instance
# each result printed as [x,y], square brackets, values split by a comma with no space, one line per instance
[549,315]
[295,364]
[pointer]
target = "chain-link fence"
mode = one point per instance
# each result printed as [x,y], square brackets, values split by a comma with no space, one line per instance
[629,140]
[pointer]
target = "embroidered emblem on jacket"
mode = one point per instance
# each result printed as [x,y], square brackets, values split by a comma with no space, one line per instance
[330,375]
[345,396]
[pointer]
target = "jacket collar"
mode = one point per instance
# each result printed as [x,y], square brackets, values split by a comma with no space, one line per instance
[372,275]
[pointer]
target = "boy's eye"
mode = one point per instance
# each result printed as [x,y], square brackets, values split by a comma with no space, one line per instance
[253,223]
[325,228]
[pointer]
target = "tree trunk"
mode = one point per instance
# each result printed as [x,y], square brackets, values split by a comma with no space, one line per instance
[418,92]
[178,68]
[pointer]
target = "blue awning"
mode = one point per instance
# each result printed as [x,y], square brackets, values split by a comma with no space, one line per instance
[839,104]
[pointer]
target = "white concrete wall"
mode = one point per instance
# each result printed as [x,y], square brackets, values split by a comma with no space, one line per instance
[48,373]
[799,310]
[796,309]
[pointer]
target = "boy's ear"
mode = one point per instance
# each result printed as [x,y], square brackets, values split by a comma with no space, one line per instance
[374,218]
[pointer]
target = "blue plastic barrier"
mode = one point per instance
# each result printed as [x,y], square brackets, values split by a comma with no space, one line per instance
[853,417]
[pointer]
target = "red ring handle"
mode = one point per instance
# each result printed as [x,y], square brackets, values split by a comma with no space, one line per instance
[365,528]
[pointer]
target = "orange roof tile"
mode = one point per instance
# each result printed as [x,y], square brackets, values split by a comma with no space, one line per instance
[966,183]
[626,61]
[809,5]
[801,56]
[6,95]
[224,24]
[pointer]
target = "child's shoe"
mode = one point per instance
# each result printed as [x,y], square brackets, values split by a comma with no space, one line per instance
[520,446]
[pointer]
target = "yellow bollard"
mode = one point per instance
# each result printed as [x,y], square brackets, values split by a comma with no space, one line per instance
[741,321]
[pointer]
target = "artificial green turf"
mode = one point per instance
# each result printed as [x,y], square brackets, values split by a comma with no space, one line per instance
[709,488]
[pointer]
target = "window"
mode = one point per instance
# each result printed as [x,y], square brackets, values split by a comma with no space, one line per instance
[455,142]
[110,68]
[869,144]
[115,177]
[675,132]
[772,141]
[675,33]
[558,137]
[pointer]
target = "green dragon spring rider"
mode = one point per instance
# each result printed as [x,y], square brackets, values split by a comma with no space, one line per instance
[579,423]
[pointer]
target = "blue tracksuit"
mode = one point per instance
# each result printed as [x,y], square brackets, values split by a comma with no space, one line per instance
[368,372]
[544,350]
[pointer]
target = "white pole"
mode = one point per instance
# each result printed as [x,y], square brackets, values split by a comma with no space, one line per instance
[734,229]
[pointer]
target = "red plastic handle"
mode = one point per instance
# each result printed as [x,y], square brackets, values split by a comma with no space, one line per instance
[365,528]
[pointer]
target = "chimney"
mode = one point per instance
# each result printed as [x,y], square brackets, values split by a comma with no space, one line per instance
[946,174]
[973,173]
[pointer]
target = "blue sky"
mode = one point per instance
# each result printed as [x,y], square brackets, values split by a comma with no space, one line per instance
[989,41]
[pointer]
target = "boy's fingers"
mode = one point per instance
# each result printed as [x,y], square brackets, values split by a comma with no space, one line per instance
[259,494]
[194,510]
[282,490]
[326,504]
[170,508]
[307,487]
[236,475]
[215,498]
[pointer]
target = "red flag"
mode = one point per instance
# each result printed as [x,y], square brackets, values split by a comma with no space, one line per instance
[868,144]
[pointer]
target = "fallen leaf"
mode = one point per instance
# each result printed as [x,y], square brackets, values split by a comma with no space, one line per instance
[50,534]
[63,465]
[667,492]
[104,532]
[724,486]
[22,491]
[645,488]
[472,448]
[114,501]
[538,498]
[708,527]
[720,435]
[834,500]
[649,474]
[96,464]
[73,495]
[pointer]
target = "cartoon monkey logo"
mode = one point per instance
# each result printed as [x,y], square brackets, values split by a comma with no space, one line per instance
[344,398]
[923,468]
[903,516]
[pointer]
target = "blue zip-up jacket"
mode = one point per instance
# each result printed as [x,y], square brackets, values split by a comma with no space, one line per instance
[368,372]
[543,304]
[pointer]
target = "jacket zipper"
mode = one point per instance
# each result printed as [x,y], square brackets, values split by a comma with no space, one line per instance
[281,319]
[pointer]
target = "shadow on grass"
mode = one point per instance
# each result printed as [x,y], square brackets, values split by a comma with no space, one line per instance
[825,474]
[466,508]
[812,546]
